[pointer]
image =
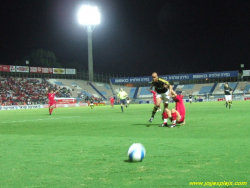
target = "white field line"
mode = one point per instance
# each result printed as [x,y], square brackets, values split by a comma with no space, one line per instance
[44,119]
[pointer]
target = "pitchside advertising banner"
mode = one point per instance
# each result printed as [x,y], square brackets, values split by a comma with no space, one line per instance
[58,71]
[44,70]
[70,71]
[22,69]
[65,100]
[21,107]
[246,72]
[177,77]
[7,68]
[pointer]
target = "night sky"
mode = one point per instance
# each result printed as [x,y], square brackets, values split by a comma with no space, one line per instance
[135,37]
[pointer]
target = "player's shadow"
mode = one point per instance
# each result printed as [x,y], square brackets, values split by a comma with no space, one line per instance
[157,125]
[148,125]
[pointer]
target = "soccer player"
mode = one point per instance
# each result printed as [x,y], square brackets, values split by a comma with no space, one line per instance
[91,100]
[228,95]
[195,98]
[190,96]
[112,100]
[177,114]
[127,101]
[154,98]
[163,88]
[122,96]
[51,97]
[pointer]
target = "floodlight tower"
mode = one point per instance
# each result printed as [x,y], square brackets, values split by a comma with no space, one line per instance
[89,16]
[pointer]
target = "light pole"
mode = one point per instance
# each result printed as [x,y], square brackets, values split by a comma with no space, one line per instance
[242,66]
[89,16]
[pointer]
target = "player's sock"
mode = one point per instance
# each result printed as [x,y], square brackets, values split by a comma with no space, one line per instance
[49,110]
[165,117]
[52,110]
[226,105]
[174,116]
[230,103]
[154,111]
[122,108]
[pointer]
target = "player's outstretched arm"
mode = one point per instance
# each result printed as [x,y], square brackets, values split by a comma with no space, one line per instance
[172,92]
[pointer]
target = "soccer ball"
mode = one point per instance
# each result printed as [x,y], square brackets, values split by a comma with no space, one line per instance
[136,152]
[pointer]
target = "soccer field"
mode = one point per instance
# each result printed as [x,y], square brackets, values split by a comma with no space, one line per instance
[84,147]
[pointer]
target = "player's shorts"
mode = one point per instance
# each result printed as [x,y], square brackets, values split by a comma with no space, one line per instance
[164,96]
[91,104]
[123,101]
[190,100]
[52,103]
[228,97]
[127,101]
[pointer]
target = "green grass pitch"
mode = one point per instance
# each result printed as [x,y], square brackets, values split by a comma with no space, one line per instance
[84,147]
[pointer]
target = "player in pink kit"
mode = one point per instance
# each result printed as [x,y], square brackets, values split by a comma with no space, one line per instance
[178,114]
[51,97]
[154,98]
[112,100]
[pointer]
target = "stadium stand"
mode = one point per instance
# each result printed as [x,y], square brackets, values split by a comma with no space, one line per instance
[100,93]
[144,93]
[220,88]
[16,90]
[194,89]
[247,87]
[76,87]
[205,90]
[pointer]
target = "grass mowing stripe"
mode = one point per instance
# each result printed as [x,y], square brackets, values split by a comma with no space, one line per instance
[47,119]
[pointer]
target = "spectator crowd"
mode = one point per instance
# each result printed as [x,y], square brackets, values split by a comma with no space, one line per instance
[22,91]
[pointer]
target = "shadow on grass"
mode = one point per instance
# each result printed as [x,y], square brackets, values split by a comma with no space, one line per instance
[157,125]
[129,161]
[148,125]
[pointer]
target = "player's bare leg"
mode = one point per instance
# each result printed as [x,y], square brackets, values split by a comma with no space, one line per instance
[158,103]
[51,108]
[230,103]
[175,117]
[165,115]
[122,107]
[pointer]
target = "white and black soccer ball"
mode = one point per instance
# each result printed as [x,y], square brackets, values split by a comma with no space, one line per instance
[136,152]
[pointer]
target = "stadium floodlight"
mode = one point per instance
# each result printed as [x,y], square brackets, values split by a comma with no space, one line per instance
[89,16]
